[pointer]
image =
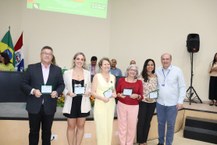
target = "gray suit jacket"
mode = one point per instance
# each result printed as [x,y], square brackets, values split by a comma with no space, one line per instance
[33,78]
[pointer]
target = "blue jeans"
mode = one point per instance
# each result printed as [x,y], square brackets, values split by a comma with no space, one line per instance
[166,115]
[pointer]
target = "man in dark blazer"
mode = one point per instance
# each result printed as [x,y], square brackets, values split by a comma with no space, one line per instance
[43,83]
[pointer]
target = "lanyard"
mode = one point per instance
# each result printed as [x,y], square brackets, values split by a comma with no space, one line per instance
[165,76]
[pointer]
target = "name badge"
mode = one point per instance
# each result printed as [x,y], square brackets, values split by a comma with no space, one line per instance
[108,93]
[153,95]
[127,92]
[79,90]
[46,89]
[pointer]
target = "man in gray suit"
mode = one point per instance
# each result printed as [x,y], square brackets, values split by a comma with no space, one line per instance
[43,83]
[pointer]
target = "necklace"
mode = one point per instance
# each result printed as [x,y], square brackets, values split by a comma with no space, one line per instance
[78,74]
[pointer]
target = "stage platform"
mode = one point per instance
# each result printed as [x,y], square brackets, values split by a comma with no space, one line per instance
[14,124]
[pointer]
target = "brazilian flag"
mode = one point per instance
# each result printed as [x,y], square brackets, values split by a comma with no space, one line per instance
[6,45]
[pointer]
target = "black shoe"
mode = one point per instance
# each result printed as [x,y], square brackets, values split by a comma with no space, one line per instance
[211,103]
[160,144]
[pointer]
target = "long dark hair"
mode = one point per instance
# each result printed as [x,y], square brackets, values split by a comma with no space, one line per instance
[144,72]
[6,58]
[214,59]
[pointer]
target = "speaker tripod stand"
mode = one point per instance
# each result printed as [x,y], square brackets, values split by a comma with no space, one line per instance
[191,93]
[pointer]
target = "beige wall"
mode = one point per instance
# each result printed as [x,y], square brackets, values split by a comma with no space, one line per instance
[142,29]
[134,29]
[66,33]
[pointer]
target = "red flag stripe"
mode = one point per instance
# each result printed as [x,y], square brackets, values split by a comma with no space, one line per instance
[19,43]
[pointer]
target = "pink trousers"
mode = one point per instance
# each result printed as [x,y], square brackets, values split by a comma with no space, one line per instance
[127,121]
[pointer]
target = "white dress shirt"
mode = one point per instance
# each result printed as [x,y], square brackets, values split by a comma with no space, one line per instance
[45,72]
[171,85]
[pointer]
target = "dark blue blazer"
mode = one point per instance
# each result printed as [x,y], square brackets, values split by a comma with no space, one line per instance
[33,78]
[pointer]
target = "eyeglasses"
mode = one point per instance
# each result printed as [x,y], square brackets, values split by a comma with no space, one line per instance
[45,53]
[133,70]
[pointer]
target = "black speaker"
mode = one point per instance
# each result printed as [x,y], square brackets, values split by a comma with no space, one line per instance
[193,42]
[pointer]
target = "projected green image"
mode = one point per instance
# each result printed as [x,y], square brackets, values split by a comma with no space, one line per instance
[94,8]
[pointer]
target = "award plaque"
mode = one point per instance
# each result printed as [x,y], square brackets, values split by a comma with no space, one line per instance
[127,92]
[108,93]
[79,90]
[46,89]
[153,94]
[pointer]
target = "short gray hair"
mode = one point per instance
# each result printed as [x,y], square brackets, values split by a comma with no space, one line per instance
[137,70]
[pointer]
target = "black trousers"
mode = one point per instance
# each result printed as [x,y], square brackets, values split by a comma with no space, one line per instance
[146,111]
[212,88]
[37,120]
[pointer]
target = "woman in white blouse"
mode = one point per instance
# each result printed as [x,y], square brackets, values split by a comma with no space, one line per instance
[77,102]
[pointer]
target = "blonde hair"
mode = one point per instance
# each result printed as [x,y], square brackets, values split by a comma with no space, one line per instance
[75,56]
[101,61]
